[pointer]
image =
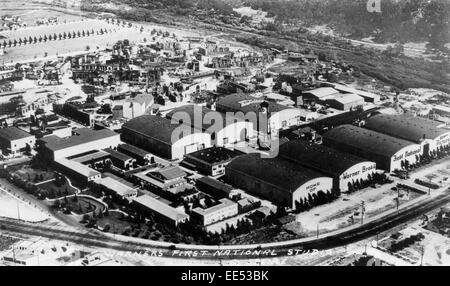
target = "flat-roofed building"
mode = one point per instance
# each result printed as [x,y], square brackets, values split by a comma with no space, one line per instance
[210,161]
[279,181]
[77,170]
[83,140]
[169,178]
[414,129]
[142,157]
[91,158]
[14,140]
[118,188]
[164,138]
[389,153]
[163,211]
[214,188]
[224,209]
[344,168]
[120,160]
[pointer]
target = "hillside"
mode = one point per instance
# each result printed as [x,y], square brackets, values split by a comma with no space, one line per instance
[399,20]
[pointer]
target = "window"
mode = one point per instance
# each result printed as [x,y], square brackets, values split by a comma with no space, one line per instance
[225,140]
[284,123]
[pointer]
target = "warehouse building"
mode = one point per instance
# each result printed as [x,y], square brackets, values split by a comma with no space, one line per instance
[342,167]
[368,96]
[210,161]
[14,140]
[345,101]
[84,140]
[389,153]
[320,94]
[224,209]
[153,206]
[154,133]
[248,107]
[226,132]
[277,180]
[415,129]
[142,157]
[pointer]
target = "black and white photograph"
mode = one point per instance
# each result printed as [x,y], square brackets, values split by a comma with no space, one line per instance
[248,134]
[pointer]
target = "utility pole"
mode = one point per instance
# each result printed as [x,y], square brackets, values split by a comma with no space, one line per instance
[363,209]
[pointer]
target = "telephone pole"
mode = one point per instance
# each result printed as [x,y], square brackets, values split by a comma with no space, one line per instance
[363,209]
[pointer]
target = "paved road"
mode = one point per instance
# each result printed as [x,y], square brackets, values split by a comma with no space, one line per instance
[96,239]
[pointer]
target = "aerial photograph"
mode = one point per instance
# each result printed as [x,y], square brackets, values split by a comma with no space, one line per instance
[224,133]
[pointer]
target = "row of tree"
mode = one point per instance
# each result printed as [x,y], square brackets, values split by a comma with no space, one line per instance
[53,37]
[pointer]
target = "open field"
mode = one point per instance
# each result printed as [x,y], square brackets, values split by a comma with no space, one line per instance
[347,210]
[11,207]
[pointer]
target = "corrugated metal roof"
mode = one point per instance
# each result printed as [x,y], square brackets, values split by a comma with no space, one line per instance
[282,174]
[155,127]
[406,127]
[365,139]
[318,157]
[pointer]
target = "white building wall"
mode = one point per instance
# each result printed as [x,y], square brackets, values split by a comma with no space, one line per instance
[103,143]
[356,172]
[234,133]
[189,144]
[18,144]
[285,119]
[408,153]
[324,184]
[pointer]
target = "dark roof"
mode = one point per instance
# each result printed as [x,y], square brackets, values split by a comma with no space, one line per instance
[133,150]
[368,140]
[213,183]
[245,103]
[82,135]
[214,155]
[155,127]
[281,174]
[318,157]
[405,126]
[13,133]
[168,173]
[197,117]
[119,156]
